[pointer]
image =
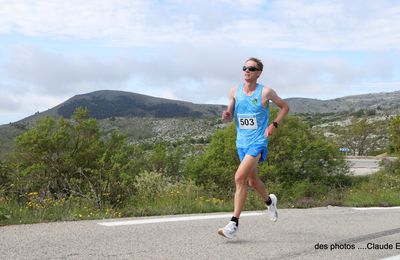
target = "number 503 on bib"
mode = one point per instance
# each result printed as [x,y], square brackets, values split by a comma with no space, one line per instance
[248,122]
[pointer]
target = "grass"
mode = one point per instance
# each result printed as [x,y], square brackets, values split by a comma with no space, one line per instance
[381,189]
[31,211]
[178,205]
[175,201]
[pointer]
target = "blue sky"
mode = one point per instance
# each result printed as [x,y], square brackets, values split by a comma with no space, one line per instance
[193,50]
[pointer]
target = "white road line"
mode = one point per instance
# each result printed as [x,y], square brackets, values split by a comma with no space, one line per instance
[173,219]
[377,208]
[395,257]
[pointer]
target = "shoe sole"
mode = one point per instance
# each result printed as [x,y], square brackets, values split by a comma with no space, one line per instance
[221,232]
[276,217]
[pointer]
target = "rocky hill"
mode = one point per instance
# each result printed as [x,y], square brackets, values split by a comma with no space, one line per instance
[147,119]
[108,104]
[388,102]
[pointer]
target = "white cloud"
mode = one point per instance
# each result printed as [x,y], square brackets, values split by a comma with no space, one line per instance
[193,50]
[14,107]
[322,25]
[312,25]
[9,103]
[59,74]
[16,102]
[83,19]
[193,73]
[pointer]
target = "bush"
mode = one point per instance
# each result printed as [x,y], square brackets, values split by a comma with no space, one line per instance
[64,158]
[159,195]
[296,155]
[149,186]
[393,168]
[394,128]
[217,166]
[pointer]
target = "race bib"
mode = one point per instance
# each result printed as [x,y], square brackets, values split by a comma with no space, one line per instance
[248,122]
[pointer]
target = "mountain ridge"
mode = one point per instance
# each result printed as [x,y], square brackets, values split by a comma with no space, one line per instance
[385,102]
[150,119]
[112,103]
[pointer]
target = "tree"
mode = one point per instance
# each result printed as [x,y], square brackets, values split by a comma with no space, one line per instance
[217,165]
[358,137]
[297,154]
[394,129]
[71,158]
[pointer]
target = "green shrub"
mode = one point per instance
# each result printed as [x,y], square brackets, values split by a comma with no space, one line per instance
[150,185]
[380,189]
[71,158]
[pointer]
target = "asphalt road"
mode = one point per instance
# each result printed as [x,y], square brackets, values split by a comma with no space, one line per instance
[318,233]
[363,166]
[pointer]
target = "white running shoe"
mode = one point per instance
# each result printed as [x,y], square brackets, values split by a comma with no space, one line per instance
[229,231]
[272,209]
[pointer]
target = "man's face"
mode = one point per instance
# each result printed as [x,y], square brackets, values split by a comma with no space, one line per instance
[250,74]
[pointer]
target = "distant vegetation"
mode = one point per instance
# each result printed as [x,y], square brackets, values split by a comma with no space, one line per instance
[376,103]
[363,134]
[145,119]
[101,108]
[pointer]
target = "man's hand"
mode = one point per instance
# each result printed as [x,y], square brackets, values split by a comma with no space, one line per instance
[269,131]
[226,115]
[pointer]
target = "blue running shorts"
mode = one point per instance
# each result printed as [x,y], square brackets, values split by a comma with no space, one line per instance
[253,151]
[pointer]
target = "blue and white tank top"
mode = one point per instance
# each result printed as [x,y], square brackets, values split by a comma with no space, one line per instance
[251,118]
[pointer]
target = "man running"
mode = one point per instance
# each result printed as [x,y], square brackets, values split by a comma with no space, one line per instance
[249,104]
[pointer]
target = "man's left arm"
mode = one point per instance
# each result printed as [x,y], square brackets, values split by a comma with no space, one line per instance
[270,94]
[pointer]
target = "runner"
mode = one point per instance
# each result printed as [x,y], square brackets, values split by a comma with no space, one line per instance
[249,104]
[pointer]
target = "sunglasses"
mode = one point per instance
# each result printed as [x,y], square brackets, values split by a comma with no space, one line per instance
[250,68]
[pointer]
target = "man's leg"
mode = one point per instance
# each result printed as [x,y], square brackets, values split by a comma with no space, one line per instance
[258,185]
[270,200]
[246,167]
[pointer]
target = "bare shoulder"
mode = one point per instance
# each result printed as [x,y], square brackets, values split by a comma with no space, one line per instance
[268,93]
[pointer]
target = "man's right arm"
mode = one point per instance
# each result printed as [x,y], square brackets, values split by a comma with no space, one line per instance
[227,114]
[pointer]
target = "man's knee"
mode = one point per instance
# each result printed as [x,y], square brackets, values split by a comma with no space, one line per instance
[246,168]
[240,180]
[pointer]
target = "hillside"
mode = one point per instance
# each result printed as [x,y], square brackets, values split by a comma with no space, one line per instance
[388,103]
[142,118]
[110,103]
[147,119]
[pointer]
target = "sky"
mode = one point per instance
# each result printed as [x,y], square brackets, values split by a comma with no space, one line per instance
[193,50]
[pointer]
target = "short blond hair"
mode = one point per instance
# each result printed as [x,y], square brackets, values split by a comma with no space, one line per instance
[260,65]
